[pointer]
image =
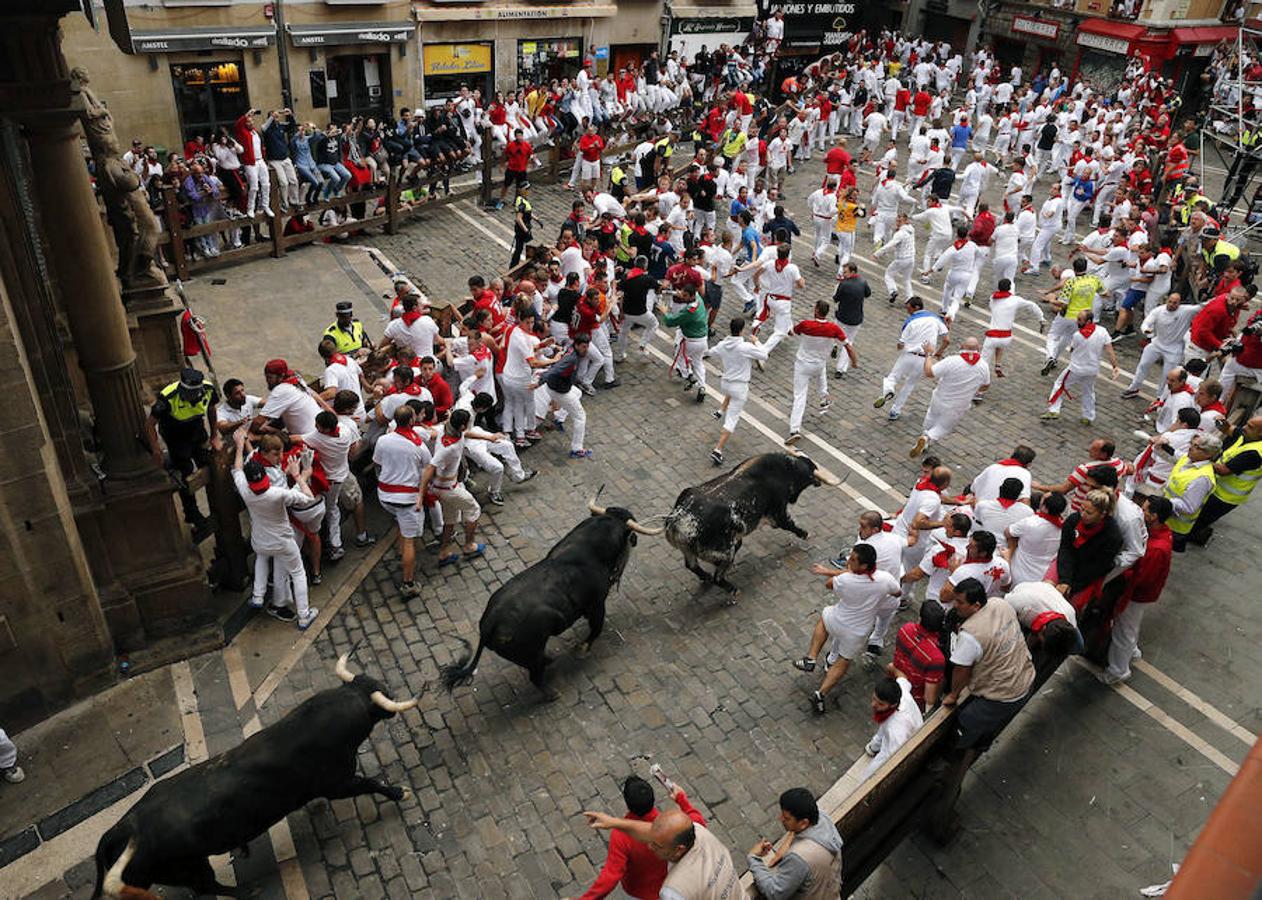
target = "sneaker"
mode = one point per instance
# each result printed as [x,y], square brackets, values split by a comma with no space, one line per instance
[893,297]
[559,427]
[533,435]
[716,457]
[499,204]
[793,438]
[894,416]
[526,475]
[621,357]
[883,399]
[1047,368]
[587,389]
[700,395]
[316,578]
[256,603]
[817,703]
[522,444]
[1049,416]
[365,539]
[1084,421]
[1107,677]
[336,553]
[924,279]
[805,664]
[838,375]
[284,613]
[1137,654]
[1130,393]
[305,620]
[580,454]
[874,650]
[612,384]
[496,497]
[717,415]
[409,590]
[14,775]
[825,404]
[919,447]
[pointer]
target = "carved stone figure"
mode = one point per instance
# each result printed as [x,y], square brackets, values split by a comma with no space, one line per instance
[136,228]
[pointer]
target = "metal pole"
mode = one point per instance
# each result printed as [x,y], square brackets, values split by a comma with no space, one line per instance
[282,54]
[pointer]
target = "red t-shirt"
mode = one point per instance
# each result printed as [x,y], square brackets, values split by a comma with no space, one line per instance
[740,103]
[836,159]
[517,155]
[590,146]
[1251,356]
[918,656]
[1213,324]
[682,274]
[633,864]
[920,103]
[441,392]
[902,99]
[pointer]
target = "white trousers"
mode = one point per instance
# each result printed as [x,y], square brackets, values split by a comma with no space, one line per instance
[1003,267]
[287,570]
[883,226]
[1169,359]
[943,415]
[953,291]
[983,254]
[647,321]
[1233,370]
[908,369]
[779,311]
[736,392]
[286,181]
[1041,252]
[990,345]
[1075,208]
[1074,384]
[933,249]
[823,235]
[519,411]
[333,513]
[1125,642]
[576,419]
[600,340]
[258,187]
[487,455]
[843,358]
[688,358]
[8,752]
[1059,335]
[898,276]
[803,374]
[845,247]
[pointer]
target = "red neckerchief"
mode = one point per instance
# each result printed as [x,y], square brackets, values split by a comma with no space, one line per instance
[481,353]
[260,486]
[410,317]
[942,558]
[1041,620]
[880,715]
[1005,502]
[1000,295]
[1087,330]
[1215,407]
[410,435]
[972,357]
[448,439]
[636,272]
[557,280]
[960,243]
[412,388]
[1184,389]
[781,263]
[926,484]
[639,229]
[338,359]
[1084,533]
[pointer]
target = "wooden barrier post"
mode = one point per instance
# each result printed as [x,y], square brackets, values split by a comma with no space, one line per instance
[276,222]
[554,163]
[393,184]
[171,215]
[488,166]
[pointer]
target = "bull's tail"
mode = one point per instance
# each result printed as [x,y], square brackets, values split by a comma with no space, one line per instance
[462,670]
[113,852]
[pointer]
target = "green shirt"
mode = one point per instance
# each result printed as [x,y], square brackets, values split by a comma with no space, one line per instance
[693,320]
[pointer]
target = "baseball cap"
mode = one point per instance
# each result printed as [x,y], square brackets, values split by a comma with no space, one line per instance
[192,382]
[276,367]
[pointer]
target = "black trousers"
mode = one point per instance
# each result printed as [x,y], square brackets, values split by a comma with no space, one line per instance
[1213,510]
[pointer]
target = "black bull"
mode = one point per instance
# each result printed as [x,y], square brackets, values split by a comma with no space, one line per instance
[572,582]
[709,521]
[223,804]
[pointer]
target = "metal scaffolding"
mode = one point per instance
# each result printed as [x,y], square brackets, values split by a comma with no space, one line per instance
[1227,143]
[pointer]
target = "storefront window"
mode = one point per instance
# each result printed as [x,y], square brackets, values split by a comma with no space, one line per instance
[358,85]
[1104,71]
[543,59]
[446,67]
[209,96]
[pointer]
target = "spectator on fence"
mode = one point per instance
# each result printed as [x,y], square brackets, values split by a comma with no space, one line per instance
[203,192]
[806,861]
[304,161]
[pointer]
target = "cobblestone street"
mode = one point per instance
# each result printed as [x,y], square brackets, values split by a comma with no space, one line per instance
[1092,793]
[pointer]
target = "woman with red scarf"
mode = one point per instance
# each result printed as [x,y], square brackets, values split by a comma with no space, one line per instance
[1089,543]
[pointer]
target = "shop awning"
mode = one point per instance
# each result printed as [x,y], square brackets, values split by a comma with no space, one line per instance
[1111,28]
[336,33]
[177,39]
[1206,35]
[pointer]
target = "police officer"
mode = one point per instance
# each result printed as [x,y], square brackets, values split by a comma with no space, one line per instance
[1237,473]
[1216,253]
[347,332]
[523,217]
[180,414]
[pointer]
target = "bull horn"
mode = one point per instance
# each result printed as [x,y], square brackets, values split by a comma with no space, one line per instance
[392,706]
[640,529]
[343,671]
[591,504]
[827,478]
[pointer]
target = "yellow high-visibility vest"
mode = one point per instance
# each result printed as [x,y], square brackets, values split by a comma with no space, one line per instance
[1235,489]
[181,409]
[346,343]
[1181,477]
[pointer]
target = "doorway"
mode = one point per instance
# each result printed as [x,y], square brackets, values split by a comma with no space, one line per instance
[358,85]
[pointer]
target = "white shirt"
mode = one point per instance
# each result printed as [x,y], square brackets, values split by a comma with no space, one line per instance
[1050,213]
[823,204]
[270,531]
[993,574]
[417,337]
[986,484]
[815,340]
[334,449]
[226,412]
[400,463]
[1130,519]
[921,330]
[1027,223]
[1168,412]
[476,375]
[777,153]
[938,544]
[345,377]
[939,219]
[861,598]
[889,551]
[896,730]
[1168,329]
[958,381]
[779,283]
[446,462]
[1033,598]
[1038,540]
[887,196]
[1003,311]
[1085,353]
[293,406]
[957,259]
[993,516]
[737,355]
[976,176]
[902,244]
[521,347]
[925,501]
[572,261]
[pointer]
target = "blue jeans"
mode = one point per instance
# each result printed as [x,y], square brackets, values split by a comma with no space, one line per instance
[309,175]
[336,179]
